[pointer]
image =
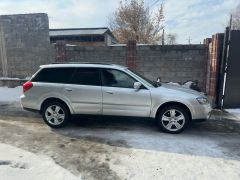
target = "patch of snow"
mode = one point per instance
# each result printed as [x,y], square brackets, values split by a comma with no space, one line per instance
[187,84]
[28,77]
[18,164]
[235,112]
[8,78]
[154,165]
[10,94]
[118,45]
[70,45]
[173,83]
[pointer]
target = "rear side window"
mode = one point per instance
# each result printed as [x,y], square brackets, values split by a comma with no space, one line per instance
[86,76]
[54,75]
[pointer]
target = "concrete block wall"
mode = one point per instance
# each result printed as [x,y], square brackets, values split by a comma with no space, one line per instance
[24,45]
[105,54]
[176,63]
[25,42]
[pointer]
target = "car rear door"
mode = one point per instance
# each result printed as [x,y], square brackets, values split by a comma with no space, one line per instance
[48,83]
[84,91]
[119,96]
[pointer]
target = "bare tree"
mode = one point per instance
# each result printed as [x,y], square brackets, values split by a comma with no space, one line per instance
[236,18]
[171,39]
[134,21]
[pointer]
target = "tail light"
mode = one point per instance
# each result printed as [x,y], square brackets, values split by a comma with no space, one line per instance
[27,85]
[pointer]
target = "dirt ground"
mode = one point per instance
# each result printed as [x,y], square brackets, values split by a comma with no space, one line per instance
[124,148]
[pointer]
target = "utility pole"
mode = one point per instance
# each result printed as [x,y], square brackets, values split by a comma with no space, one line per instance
[163,37]
[230,22]
[189,40]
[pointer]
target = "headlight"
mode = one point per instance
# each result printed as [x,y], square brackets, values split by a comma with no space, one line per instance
[202,100]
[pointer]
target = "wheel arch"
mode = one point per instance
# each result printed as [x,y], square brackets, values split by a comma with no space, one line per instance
[177,104]
[51,99]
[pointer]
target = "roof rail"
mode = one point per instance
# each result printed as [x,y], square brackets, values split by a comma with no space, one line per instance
[82,63]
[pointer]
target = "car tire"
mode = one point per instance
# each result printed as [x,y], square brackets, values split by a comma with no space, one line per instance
[172,119]
[55,114]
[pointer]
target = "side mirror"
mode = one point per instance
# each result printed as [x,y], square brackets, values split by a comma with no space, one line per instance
[137,85]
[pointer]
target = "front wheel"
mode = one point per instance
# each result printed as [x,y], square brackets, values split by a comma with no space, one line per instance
[55,114]
[172,119]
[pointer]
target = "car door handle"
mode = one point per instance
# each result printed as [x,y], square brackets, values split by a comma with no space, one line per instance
[109,92]
[68,89]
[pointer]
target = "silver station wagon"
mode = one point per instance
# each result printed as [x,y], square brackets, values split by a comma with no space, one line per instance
[59,91]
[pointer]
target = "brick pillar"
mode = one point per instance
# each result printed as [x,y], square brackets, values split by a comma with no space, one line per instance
[215,47]
[131,54]
[207,43]
[60,49]
[217,43]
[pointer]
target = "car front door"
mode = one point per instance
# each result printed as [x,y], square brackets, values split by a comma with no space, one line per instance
[84,91]
[119,96]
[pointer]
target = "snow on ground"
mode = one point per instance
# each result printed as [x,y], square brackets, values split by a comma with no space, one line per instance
[18,164]
[163,165]
[10,94]
[234,112]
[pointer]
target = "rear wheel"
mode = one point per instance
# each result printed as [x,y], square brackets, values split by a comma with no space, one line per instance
[55,114]
[172,119]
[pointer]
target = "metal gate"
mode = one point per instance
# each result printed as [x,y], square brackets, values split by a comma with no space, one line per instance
[228,95]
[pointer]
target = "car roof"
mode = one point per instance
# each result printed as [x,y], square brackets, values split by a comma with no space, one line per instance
[77,64]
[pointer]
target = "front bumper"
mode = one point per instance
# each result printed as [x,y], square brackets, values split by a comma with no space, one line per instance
[202,111]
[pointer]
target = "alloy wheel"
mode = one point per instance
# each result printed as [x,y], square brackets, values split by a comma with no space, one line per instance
[54,115]
[173,120]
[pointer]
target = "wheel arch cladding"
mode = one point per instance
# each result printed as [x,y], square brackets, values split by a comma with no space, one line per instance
[176,104]
[54,100]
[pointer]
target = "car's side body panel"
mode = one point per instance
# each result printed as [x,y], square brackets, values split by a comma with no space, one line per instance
[163,95]
[34,98]
[126,101]
[84,99]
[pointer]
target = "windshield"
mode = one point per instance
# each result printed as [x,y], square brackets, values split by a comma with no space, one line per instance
[142,78]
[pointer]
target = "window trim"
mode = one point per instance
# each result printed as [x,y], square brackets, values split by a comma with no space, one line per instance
[100,76]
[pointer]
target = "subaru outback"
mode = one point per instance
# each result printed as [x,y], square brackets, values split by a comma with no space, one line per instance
[59,91]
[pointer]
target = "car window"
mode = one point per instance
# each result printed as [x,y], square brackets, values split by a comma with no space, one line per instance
[86,76]
[54,75]
[116,78]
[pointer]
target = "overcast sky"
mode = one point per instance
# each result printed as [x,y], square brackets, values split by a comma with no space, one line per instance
[196,19]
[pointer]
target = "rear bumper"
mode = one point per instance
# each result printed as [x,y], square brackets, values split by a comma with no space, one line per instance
[28,104]
[31,110]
